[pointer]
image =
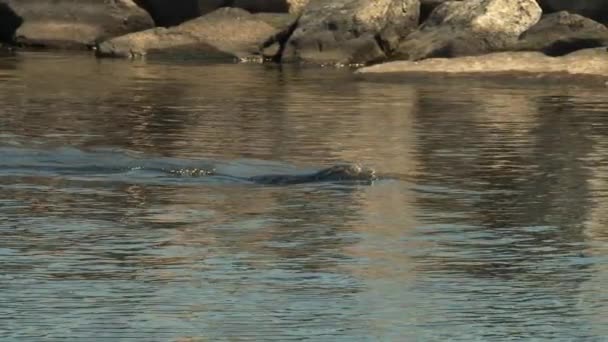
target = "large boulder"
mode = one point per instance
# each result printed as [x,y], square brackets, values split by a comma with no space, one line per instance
[224,33]
[469,27]
[560,33]
[350,31]
[170,12]
[73,23]
[594,9]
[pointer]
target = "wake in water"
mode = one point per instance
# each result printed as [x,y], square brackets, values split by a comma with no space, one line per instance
[129,166]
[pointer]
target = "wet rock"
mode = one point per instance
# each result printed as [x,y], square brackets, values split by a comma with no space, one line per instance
[469,27]
[224,33]
[170,12]
[560,33]
[583,62]
[350,31]
[593,9]
[72,23]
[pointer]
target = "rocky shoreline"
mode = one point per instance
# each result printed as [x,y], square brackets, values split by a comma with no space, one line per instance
[385,36]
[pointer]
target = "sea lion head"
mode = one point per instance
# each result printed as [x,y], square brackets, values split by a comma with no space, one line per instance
[347,172]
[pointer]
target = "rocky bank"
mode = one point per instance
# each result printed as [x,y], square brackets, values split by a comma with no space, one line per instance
[398,35]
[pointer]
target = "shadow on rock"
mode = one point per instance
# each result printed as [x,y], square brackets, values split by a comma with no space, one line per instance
[560,33]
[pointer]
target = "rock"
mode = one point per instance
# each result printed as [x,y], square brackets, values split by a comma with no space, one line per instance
[560,33]
[350,31]
[170,12]
[271,6]
[593,9]
[73,23]
[583,62]
[469,27]
[224,33]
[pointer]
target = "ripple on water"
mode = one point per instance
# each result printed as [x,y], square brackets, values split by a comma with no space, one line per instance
[492,228]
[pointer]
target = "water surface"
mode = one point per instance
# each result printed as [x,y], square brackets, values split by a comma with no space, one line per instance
[492,226]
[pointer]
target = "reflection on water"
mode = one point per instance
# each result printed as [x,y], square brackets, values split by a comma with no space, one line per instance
[492,226]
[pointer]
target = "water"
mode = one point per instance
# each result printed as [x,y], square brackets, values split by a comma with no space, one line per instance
[491,226]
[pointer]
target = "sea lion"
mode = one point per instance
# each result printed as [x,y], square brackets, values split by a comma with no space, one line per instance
[335,173]
[341,172]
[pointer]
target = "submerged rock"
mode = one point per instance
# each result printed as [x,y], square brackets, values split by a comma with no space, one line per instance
[593,9]
[560,33]
[583,62]
[225,33]
[469,27]
[72,23]
[350,31]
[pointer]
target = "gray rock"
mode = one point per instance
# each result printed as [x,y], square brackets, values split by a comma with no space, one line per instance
[560,33]
[469,27]
[73,23]
[593,9]
[171,12]
[350,31]
[224,33]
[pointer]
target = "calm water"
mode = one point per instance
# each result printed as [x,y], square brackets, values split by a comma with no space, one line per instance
[492,226]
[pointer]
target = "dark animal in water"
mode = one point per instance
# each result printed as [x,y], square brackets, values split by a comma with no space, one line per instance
[336,173]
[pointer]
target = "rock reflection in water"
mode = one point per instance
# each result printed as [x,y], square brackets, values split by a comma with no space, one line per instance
[492,229]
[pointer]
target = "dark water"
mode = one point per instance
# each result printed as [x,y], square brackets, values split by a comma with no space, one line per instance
[492,228]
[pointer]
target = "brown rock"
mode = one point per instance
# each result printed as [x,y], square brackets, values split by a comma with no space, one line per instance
[560,33]
[584,62]
[225,33]
[469,27]
[350,31]
[74,23]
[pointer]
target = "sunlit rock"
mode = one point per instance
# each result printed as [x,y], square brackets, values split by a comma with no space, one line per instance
[561,33]
[225,33]
[470,27]
[582,62]
[71,23]
[350,31]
